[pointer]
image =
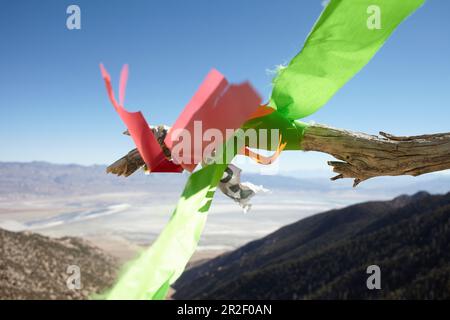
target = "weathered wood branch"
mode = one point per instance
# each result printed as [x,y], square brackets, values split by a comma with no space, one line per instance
[361,156]
[127,165]
[366,156]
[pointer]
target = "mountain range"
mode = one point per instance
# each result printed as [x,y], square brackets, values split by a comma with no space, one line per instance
[18,179]
[323,256]
[326,256]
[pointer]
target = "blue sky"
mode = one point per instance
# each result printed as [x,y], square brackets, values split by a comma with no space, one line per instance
[53,104]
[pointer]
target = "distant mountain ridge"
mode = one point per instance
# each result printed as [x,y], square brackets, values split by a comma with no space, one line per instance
[325,256]
[46,179]
[43,178]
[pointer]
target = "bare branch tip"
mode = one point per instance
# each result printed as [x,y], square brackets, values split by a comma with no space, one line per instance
[339,176]
[356,182]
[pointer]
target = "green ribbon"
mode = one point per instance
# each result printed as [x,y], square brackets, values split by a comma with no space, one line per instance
[339,45]
[291,131]
[150,275]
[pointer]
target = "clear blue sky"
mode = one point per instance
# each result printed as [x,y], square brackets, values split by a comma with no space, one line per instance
[53,104]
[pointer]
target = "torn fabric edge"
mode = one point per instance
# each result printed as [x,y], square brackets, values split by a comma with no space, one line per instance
[138,128]
[216,105]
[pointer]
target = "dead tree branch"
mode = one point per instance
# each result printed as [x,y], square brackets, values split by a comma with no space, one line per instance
[126,165]
[366,156]
[361,156]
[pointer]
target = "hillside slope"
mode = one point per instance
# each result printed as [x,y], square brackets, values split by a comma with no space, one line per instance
[33,266]
[326,256]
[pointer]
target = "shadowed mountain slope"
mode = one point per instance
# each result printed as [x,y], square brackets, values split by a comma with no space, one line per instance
[325,256]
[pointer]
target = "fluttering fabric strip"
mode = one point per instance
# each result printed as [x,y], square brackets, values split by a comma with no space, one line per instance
[339,45]
[138,128]
[266,160]
[217,105]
